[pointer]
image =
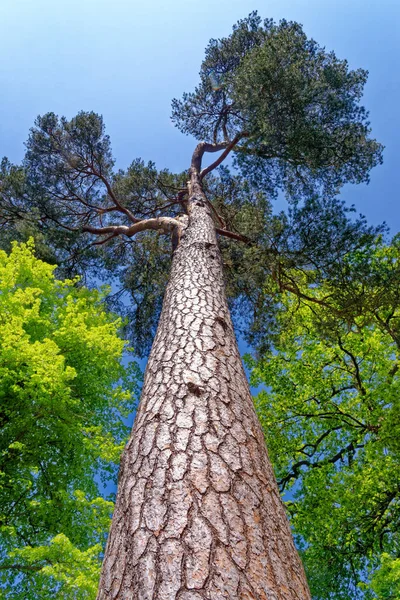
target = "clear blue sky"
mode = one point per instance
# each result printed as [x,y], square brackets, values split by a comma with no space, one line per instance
[127,59]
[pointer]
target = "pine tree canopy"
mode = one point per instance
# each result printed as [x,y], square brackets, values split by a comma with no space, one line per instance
[285,108]
[292,108]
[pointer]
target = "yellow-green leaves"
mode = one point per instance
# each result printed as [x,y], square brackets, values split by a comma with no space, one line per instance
[386,581]
[60,568]
[63,394]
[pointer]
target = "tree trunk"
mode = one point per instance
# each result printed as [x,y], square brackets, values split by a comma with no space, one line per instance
[198,512]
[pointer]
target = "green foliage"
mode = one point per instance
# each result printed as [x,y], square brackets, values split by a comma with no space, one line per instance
[317,234]
[139,268]
[331,418]
[63,394]
[296,105]
[386,581]
[294,111]
[64,570]
[69,165]
[68,182]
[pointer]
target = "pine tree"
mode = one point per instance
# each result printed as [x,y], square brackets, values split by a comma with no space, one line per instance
[198,511]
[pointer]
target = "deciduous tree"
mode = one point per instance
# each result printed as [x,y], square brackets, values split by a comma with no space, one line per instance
[63,393]
[331,419]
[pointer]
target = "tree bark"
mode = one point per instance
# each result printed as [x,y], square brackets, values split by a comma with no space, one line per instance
[198,512]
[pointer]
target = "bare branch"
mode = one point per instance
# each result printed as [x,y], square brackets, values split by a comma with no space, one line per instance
[165,224]
[221,158]
[199,153]
[234,236]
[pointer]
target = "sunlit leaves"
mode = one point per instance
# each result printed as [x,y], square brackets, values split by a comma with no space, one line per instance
[63,394]
[386,581]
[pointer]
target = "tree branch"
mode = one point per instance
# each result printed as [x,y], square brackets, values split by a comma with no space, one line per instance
[199,151]
[295,470]
[166,224]
[177,200]
[357,374]
[221,158]
[234,236]
[110,192]
[22,567]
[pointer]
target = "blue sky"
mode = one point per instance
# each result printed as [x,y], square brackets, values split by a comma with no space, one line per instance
[127,59]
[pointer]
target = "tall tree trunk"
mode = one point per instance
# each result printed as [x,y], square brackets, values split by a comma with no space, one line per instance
[198,512]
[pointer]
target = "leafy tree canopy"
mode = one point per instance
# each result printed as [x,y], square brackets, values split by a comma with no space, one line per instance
[331,416]
[63,394]
[289,112]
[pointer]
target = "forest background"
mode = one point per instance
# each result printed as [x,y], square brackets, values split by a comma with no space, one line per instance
[128,61]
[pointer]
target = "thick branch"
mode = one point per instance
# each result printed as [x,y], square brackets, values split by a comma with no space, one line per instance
[199,151]
[221,158]
[165,224]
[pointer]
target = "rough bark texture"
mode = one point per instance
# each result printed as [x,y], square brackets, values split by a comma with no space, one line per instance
[198,512]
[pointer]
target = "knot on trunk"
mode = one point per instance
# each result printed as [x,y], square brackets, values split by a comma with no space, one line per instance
[221,321]
[194,388]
